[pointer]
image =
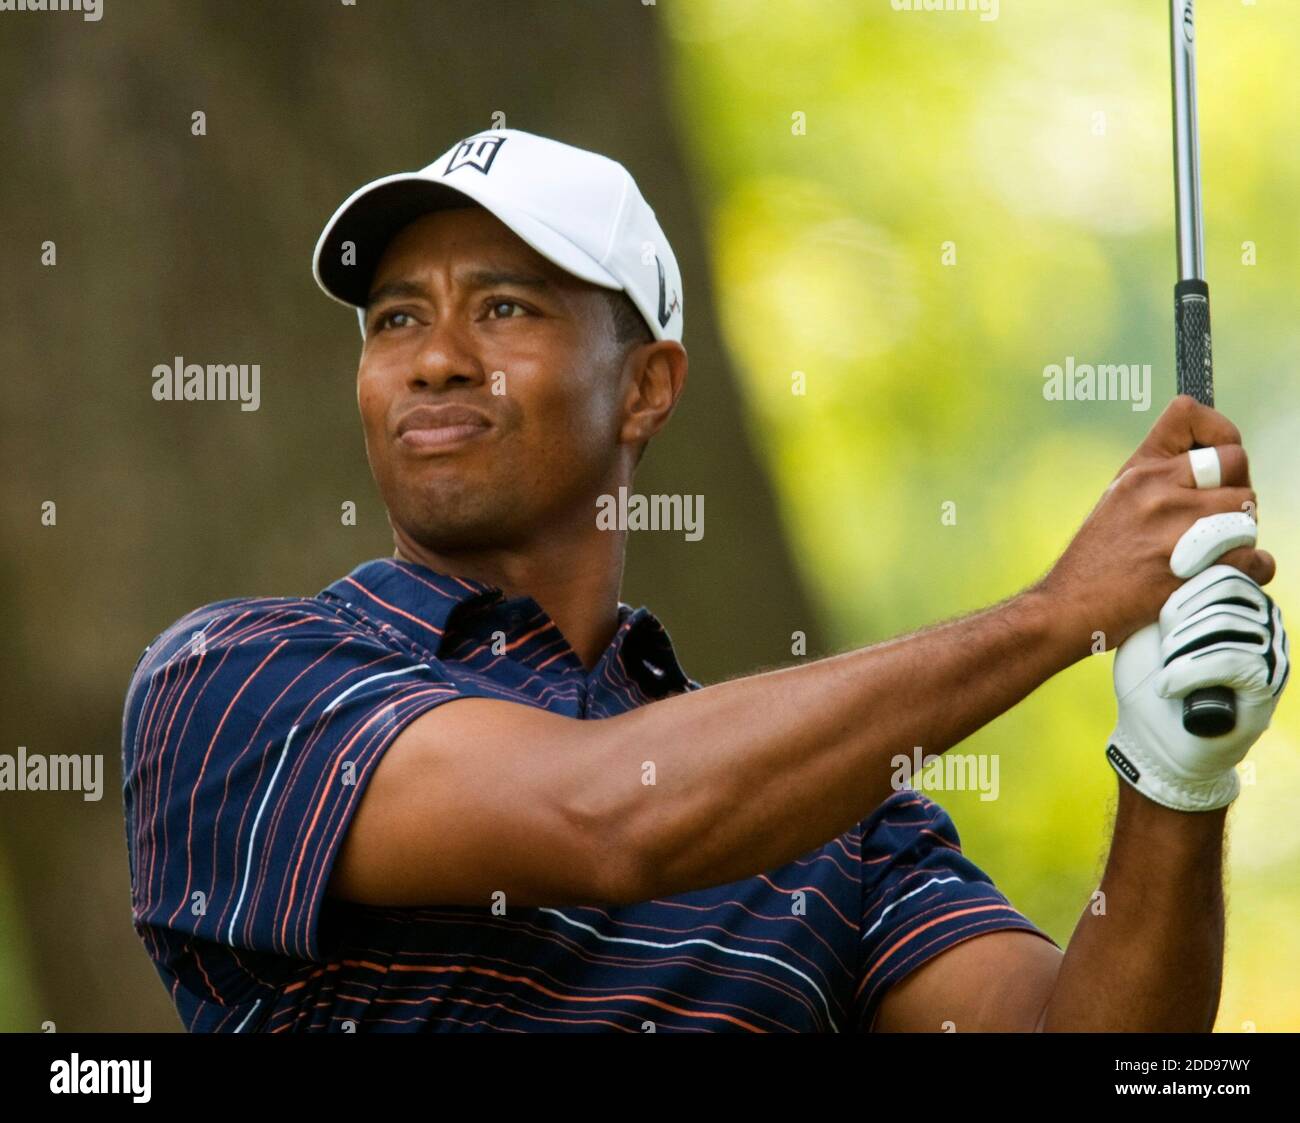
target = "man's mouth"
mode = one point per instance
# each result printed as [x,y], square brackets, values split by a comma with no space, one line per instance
[437,427]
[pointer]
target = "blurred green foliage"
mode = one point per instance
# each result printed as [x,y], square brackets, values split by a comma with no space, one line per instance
[841,144]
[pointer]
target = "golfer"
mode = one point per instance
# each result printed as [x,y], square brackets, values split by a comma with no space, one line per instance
[466,787]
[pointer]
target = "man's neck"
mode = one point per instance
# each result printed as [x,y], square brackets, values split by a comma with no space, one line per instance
[576,582]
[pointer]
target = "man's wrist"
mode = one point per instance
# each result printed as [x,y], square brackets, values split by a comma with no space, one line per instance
[1052,625]
[1161,826]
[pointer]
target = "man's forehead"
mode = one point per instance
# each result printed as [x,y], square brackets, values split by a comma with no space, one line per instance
[467,237]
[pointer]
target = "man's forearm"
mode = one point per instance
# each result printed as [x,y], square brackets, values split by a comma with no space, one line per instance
[1153,960]
[752,773]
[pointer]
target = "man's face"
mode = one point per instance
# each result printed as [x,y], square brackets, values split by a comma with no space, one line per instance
[518,379]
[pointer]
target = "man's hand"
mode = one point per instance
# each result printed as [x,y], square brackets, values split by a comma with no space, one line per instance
[1218,629]
[1115,575]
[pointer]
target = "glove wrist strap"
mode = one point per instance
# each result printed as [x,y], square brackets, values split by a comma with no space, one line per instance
[1145,772]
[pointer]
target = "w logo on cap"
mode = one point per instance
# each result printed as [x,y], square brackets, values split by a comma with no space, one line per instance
[475,152]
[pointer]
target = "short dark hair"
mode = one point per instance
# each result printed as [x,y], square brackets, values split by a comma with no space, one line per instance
[629,325]
[630,329]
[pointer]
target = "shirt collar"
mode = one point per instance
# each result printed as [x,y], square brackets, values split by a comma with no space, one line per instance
[437,611]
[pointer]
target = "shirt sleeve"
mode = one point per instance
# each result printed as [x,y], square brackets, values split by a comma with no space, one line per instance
[920,896]
[250,730]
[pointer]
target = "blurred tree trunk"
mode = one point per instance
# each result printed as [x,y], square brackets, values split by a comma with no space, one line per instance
[171,244]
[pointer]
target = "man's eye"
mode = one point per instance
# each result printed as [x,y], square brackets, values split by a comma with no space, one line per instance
[502,302]
[386,320]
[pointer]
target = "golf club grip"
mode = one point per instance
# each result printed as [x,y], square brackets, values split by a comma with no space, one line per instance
[1211,711]
[1192,354]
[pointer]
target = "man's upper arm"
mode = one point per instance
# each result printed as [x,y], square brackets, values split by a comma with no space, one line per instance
[250,731]
[939,942]
[480,797]
[999,982]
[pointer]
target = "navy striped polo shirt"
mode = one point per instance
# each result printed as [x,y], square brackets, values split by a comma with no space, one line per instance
[250,729]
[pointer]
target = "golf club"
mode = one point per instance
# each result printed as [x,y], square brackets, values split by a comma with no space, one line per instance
[1211,711]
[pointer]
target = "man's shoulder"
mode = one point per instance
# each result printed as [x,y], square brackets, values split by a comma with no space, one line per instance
[907,822]
[238,627]
[224,621]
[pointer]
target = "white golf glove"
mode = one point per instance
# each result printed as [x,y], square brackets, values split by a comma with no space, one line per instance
[1217,629]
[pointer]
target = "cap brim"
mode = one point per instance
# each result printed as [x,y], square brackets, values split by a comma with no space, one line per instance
[372,215]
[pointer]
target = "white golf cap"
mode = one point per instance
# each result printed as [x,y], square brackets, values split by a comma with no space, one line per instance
[578,209]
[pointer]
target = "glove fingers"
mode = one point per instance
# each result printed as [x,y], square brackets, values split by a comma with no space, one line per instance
[1278,656]
[1209,538]
[1223,584]
[1231,665]
[1214,625]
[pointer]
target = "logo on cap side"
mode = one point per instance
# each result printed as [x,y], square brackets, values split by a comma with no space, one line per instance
[665,310]
[475,152]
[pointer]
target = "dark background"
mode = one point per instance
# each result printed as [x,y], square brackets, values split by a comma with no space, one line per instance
[171,244]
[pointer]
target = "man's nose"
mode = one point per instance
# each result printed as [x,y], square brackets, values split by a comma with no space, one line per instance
[447,355]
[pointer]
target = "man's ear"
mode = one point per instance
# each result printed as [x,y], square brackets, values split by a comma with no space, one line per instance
[657,379]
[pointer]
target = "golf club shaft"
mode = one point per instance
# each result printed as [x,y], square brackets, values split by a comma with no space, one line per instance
[1213,710]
